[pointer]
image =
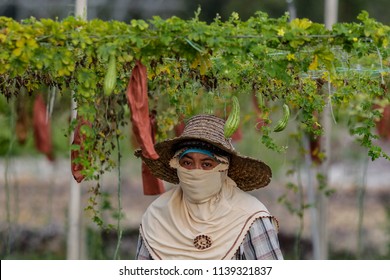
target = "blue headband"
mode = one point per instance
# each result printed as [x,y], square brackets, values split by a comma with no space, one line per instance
[197,150]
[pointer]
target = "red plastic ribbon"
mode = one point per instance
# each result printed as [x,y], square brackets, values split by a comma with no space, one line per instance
[78,139]
[143,125]
[41,127]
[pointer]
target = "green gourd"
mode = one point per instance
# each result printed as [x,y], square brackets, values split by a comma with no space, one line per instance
[233,120]
[282,123]
[110,78]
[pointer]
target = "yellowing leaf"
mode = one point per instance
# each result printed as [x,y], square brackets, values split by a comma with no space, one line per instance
[314,64]
[301,23]
[20,43]
[205,63]
[291,57]
[32,44]
[196,62]
[39,65]
[163,68]
[17,51]
[203,67]
[281,32]
[2,38]
[380,31]
[326,76]
[385,42]
[63,72]
[128,58]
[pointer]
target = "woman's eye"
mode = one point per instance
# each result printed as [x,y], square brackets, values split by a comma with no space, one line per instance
[209,165]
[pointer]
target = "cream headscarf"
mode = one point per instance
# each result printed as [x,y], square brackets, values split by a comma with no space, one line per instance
[176,227]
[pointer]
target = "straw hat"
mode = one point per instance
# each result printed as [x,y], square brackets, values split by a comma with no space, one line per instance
[248,173]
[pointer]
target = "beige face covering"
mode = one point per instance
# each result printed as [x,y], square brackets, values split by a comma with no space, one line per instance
[201,185]
[205,217]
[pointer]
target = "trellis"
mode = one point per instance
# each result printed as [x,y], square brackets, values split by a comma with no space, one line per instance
[195,67]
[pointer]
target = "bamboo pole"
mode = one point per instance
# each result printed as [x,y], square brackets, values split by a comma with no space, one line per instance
[74,219]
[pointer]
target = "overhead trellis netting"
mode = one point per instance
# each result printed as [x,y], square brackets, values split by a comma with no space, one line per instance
[194,66]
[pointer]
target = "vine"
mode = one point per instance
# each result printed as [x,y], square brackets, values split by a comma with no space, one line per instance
[196,67]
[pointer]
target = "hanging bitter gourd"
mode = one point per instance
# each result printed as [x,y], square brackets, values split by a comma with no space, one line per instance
[282,123]
[110,78]
[260,100]
[233,120]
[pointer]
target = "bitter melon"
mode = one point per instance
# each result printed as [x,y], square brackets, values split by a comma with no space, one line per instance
[282,123]
[233,120]
[110,78]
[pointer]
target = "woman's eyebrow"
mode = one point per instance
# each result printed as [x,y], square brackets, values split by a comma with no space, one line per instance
[187,156]
[209,158]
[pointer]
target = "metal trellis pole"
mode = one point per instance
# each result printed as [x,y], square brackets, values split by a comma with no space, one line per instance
[331,14]
[74,219]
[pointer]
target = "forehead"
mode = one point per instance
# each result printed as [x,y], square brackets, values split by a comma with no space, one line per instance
[198,156]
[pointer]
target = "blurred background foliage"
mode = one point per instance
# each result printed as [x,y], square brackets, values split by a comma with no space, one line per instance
[126,10]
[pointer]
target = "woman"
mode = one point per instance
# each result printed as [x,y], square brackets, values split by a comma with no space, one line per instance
[208,215]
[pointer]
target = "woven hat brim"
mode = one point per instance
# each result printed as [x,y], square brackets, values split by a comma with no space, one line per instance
[248,173]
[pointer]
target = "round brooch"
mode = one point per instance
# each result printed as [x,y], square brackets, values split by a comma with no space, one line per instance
[202,242]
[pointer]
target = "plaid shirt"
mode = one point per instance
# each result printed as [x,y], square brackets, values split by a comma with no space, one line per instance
[260,243]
